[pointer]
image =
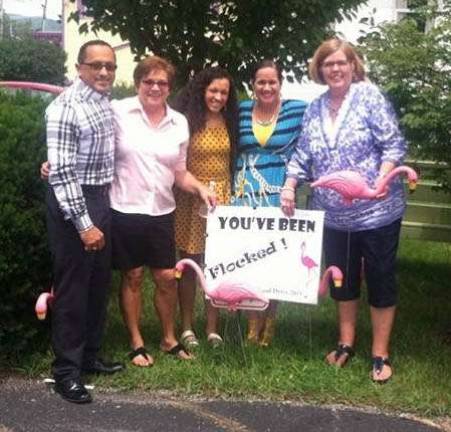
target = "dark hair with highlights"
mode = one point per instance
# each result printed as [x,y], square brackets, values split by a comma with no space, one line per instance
[191,102]
[262,64]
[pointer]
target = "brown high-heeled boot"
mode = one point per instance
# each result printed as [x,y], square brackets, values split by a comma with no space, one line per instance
[268,332]
[252,331]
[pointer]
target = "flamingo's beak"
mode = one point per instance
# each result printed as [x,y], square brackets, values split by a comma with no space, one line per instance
[338,283]
[178,274]
[41,316]
[412,186]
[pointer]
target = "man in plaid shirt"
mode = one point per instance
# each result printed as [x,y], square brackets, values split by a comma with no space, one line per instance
[80,142]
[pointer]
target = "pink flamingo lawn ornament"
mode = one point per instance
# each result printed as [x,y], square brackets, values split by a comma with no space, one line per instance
[306,261]
[44,301]
[351,185]
[231,295]
[337,278]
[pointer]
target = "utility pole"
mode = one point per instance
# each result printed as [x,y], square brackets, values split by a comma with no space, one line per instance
[44,15]
[1,19]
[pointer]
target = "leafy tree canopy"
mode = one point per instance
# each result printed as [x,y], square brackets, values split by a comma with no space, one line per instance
[414,67]
[233,34]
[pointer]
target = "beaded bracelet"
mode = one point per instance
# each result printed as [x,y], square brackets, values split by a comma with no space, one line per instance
[288,188]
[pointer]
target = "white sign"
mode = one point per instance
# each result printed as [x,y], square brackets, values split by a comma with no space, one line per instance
[261,248]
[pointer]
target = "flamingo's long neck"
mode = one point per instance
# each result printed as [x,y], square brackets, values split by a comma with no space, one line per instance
[198,270]
[387,179]
[331,272]
[324,282]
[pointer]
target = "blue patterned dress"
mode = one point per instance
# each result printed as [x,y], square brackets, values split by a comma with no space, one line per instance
[260,169]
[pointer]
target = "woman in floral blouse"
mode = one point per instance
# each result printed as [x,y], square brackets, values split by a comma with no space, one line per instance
[353,127]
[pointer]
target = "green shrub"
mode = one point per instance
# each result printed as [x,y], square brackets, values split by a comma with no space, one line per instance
[24,256]
[121,91]
[413,67]
[31,60]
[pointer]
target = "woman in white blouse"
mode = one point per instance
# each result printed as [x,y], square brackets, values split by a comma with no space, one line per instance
[150,158]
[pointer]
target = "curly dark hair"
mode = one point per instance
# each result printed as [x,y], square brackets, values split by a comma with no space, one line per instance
[191,102]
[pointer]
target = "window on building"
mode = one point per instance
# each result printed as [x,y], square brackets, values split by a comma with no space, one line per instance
[407,9]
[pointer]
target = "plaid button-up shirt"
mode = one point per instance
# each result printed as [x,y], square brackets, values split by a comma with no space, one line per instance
[80,145]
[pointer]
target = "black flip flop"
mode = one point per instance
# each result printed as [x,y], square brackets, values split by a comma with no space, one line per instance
[343,350]
[176,350]
[140,351]
[378,365]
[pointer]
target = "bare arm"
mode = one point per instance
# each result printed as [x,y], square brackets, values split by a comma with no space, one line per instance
[288,196]
[384,169]
[187,182]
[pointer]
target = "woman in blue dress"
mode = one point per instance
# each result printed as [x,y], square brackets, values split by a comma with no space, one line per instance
[268,130]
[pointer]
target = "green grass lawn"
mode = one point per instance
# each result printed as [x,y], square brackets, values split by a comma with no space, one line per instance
[293,367]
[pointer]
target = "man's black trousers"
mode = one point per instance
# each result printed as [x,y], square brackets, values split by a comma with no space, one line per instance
[81,285]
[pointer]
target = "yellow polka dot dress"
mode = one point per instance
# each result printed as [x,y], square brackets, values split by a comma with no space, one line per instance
[208,160]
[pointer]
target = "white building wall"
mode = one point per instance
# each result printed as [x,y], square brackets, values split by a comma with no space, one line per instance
[379,10]
[72,41]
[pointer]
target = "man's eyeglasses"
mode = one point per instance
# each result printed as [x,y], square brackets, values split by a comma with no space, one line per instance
[331,64]
[159,83]
[97,66]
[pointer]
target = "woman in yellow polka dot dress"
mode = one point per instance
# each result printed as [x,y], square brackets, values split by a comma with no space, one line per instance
[209,102]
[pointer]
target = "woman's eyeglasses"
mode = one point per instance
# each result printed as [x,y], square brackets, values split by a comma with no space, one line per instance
[340,64]
[158,83]
[97,66]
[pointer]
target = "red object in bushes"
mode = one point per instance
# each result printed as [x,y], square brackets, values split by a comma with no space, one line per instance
[27,85]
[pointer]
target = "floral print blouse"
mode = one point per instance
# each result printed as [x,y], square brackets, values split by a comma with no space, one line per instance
[364,134]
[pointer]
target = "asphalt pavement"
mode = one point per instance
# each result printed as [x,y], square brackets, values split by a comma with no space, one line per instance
[27,405]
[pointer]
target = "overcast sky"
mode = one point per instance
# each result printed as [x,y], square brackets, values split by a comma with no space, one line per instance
[33,7]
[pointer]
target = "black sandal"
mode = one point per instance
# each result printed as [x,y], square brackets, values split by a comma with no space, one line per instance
[341,350]
[378,365]
[176,350]
[141,351]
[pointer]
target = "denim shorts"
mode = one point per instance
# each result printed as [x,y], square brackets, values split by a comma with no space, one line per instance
[370,254]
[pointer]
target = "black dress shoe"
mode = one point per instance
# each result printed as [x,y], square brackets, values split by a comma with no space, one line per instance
[73,391]
[101,367]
